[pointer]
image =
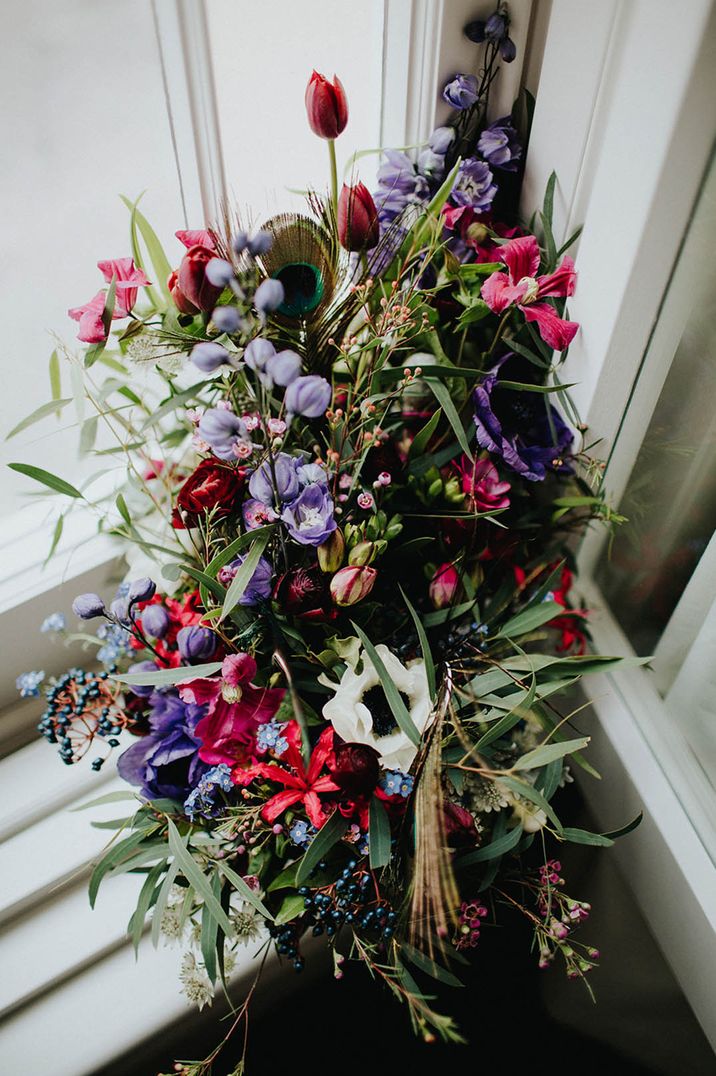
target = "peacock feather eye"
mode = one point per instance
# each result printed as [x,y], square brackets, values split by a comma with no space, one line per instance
[303,286]
[304,257]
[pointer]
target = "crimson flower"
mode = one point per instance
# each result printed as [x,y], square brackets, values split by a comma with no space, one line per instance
[521,287]
[235,707]
[326,106]
[358,225]
[300,784]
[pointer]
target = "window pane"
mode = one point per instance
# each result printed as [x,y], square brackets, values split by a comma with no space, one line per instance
[670,499]
[84,120]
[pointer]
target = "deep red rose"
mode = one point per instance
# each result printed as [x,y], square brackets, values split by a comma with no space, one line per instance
[355,768]
[192,280]
[460,828]
[304,592]
[211,486]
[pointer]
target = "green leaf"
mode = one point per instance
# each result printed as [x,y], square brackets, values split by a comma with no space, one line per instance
[245,892]
[46,478]
[160,266]
[549,752]
[51,408]
[327,836]
[530,619]
[583,836]
[422,437]
[179,399]
[235,547]
[56,535]
[206,580]
[528,792]
[123,510]
[525,386]
[162,677]
[442,395]
[196,877]
[397,706]
[615,834]
[379,833]
[429,966]
[424,646]
[148,895]
[244,575]
[439,616]
[88,435]
[291,907]
[493,850]
[210,932]
[55,378]
[109,797]
[113,857]
[162,900]
[286,879]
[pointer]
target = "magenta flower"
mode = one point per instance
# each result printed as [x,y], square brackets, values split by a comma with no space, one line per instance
[129,280]
[481,483]
[522,287]
[196,237]
[89,316]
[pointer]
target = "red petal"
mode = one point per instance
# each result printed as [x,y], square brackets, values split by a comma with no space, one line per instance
[553,329]
[276,806]
[521,256]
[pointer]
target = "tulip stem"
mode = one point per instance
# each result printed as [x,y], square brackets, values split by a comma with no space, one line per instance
[334,174]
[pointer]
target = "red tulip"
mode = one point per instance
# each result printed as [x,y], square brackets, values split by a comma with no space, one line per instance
[180,300]
[351,585]
[444,585]
[192,280]
[358,227]
[326,106]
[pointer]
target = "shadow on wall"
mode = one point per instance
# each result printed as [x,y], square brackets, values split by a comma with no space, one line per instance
[516,1017]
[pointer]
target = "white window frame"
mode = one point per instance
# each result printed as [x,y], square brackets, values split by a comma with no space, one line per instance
[44,851]
[626,115]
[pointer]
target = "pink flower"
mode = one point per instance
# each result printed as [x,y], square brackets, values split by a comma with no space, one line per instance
[196,237]
[129,279]
[481,483]
[444,585]
[92,329]
[235,708]
[521,287]
[301,784]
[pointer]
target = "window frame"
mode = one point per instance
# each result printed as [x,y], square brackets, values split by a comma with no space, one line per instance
[634,197]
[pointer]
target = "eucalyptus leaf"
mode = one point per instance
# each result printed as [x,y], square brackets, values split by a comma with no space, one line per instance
[379,834]
[245,574]
[47,479]
[163,677]
[196,877]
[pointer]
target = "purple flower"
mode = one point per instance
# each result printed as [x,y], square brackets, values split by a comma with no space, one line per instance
[258,587]
[308,396]
[166,763]
[399,186]
[260,243]
[310,517]
[219,272]
[195,643]
[284,367]
[141,590]
[475,31]
[222,430]
[269,296]
[516,427]
[261,483]
[508,50]
[155,621]
[226,319]
[88,606]
[499,145]
[474,186]
[461,93]
[208,356]
[312,473]
[496,28]
[431,160]
[257,355]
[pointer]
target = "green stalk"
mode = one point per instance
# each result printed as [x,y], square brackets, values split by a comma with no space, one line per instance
[334,174]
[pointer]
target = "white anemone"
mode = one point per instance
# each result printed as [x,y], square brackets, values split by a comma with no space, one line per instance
[361,715]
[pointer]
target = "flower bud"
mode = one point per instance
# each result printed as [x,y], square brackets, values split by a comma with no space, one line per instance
[208,356]
[331,552]
[179,298]
[358,225]
[362,553]
[444,585]
[460,828]
[219,272]
[226,319]
[193,281]
[269,295]
[351,585]
[259,243]
[326,106]
[120,611]
[155,621]
[196,643]
[284,367]
[355,768]
[88,606]
[308,396]
[141,590]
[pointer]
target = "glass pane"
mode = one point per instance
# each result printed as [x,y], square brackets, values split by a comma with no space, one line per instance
[670,499]
[84,121]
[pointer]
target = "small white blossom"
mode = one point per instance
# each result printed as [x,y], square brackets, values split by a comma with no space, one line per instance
[195,982]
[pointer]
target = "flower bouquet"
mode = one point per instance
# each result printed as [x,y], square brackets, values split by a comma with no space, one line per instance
[348,484]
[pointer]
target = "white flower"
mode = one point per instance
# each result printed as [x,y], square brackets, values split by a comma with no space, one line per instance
[195,982]
[359,710]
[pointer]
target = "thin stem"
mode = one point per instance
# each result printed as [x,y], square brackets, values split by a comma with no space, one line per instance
[334,174]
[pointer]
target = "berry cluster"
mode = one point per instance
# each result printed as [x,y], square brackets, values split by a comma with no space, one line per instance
[349,900]
[81,706]
[287,939]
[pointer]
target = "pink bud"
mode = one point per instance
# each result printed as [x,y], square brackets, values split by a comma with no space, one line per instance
[350,585]
[192,280]
[444,585]
[358,226]
[326,106]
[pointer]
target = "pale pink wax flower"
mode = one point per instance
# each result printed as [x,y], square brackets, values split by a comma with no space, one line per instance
[196,237]
[193,415]
[385,478]
[251,422]
[243,449]
[276,426]
[366,500]
[224,405]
